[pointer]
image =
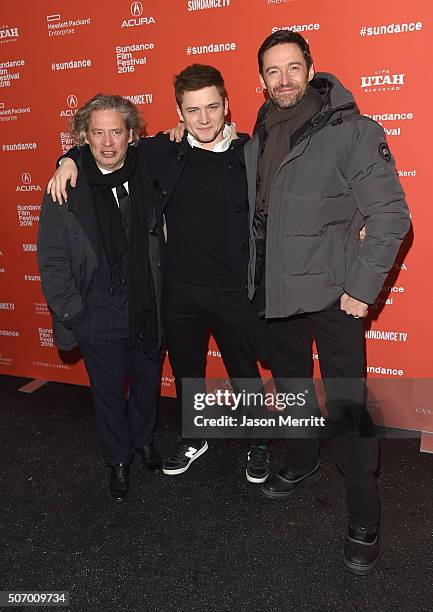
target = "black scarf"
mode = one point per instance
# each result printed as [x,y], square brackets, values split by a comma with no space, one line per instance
[115,244]
[280,125]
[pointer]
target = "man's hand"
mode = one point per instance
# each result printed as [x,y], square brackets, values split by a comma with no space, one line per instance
[177,132]
[353,307]
[362,234]
[67,171]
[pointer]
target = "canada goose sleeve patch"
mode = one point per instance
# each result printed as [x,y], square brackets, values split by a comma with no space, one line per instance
[384,152]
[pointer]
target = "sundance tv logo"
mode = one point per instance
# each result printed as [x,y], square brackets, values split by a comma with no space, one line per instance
[72,104]
[136,10]
[142,98]
[202,5]
[382,80]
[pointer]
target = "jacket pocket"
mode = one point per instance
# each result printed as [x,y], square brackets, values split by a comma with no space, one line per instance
[63,338]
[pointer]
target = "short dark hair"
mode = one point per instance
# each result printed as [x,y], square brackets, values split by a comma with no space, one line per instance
[281,37]
[79,123]
[195,77]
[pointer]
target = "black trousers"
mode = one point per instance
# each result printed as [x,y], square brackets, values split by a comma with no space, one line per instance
[191,314]
[111,360]
[286,344]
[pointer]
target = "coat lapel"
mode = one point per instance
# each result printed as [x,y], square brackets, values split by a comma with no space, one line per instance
[80,204]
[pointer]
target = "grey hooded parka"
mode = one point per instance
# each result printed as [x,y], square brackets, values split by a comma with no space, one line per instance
[338,177]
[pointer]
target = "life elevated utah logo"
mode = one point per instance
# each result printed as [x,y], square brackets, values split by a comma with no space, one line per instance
[72,103]
[137,19]
[382,80]
[8,34]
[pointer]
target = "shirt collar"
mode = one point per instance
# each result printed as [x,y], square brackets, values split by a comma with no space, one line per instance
[221,146]
[113,189]
[105,171]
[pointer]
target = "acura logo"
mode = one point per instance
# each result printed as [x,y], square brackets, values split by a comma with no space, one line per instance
[136,9]
[72,101]
[26,178]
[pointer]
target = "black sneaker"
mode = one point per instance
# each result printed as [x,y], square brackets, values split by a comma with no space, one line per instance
[183,456]
[257,464]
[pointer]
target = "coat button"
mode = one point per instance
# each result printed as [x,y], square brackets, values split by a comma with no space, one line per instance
[240,208]
[75,236]
[244,247]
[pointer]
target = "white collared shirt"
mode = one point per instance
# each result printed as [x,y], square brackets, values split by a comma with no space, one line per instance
[104,171]
[219,147]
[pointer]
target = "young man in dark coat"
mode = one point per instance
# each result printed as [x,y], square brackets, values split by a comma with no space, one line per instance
[99,262]
[203,199]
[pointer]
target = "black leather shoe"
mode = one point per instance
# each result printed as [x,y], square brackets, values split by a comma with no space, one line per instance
[285,482]
[151,459]
[119,482]
[361,550]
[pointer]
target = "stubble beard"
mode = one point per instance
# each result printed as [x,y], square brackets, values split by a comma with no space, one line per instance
[285,102]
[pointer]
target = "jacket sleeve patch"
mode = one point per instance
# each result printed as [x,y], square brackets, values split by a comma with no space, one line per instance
[384,152]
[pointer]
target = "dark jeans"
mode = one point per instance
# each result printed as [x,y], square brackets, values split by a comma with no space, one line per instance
[191,314]
[286,344]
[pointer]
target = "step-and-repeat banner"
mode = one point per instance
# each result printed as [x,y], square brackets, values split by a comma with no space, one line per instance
[56,55]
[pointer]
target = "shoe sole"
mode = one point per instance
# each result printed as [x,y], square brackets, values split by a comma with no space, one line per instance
[360,570]
[285,494]
[118,500]
[154,468]
[255,480]
[177,471]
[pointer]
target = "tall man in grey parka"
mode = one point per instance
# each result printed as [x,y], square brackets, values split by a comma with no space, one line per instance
[318,172]
[99,262]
